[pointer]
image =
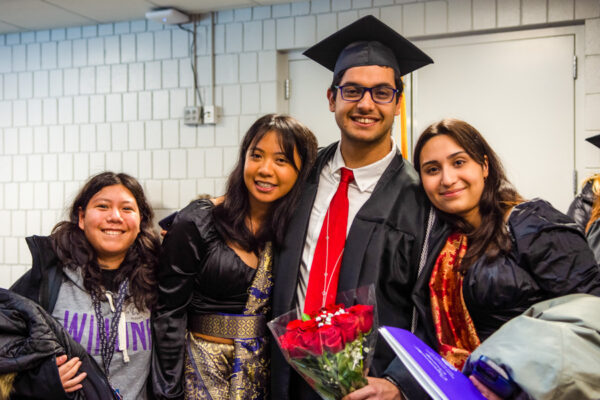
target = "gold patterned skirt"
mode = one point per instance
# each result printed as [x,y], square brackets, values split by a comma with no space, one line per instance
[218,371]
[238,371]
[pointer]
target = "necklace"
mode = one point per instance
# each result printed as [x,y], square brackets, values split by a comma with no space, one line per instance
[329,277]
[107,342]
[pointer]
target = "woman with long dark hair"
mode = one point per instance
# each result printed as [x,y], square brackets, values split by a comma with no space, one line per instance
[95,274]
[502,253]
[215,270]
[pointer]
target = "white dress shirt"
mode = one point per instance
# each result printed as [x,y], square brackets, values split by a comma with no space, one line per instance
[359,191]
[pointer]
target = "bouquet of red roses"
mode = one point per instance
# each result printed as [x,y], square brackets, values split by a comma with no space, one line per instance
[332,348]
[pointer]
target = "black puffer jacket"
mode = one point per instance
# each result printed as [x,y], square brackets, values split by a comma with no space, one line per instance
[30,340]
[581,207]
[550,258]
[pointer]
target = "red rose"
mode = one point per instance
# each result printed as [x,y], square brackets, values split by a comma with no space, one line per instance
[332,308]
[303,326]
[365,316]
[311,342]
[348,324]
[331,338]
[309,326]
[295,324]
[290,342]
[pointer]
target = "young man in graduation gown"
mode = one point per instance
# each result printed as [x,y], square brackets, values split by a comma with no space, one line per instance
[363,217]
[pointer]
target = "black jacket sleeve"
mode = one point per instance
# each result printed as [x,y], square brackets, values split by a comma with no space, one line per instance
[182,253]
[554,251]
[581,207]
[42,282]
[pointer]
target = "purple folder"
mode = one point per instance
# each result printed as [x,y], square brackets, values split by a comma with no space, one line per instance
[439,379]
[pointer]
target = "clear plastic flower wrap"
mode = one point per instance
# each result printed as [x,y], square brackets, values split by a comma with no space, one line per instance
[333,348]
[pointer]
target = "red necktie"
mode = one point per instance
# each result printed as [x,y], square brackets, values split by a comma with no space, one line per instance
[325,269]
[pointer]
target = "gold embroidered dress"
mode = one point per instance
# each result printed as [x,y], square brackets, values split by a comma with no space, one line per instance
[218,371]
[205,287]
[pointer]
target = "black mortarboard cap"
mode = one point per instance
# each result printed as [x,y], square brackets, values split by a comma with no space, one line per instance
[368,41]
[595,140]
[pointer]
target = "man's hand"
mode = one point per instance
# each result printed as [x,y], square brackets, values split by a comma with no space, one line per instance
[485,391]
[377,389]
[67,371]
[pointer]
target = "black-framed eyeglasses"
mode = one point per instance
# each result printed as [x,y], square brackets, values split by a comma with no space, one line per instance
[381,94]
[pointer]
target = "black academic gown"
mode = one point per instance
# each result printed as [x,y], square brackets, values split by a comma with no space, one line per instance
[383,248]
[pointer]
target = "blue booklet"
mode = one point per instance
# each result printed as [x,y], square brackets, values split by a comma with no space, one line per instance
[439,379]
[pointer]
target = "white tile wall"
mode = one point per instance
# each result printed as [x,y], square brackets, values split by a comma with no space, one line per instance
[436,17]
[592,36]
[326,25]
[534,11]
[249,71]
[592,116]
[252,36]
[484,14]
[40,84]
[87,140]
[25,140]
[592,66]
[170,193]
[305,31]
[103,137]
[303,7]
[560,10]
[285,33]
[413,19]
[72,83]
[269,38]
[508,13]
[587,9]
[347,17]
[80,100]
[233,37]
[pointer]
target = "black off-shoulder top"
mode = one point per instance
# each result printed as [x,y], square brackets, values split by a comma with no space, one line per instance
[194,251]
[198,274]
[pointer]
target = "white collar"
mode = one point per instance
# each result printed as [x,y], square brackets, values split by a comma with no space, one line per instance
[365,177]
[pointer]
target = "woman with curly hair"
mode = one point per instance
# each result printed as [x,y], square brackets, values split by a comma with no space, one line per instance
[215,274]
[95,274]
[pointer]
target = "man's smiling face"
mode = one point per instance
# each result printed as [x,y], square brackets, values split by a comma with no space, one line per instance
[365,121]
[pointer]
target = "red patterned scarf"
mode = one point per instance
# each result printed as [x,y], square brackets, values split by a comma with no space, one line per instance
[453,325]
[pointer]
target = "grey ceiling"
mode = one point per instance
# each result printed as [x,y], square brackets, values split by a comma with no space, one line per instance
[26,15]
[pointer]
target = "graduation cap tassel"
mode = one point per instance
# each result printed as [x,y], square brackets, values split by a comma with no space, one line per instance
[403,131]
